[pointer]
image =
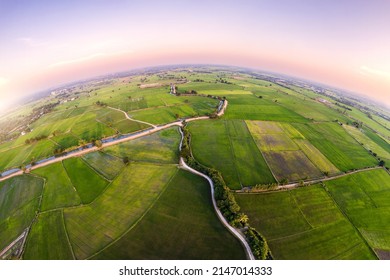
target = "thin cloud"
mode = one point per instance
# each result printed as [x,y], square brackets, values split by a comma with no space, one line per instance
[371,71]
[86,58]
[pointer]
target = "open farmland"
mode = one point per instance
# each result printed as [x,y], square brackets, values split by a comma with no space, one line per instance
[228,146]
[107,165]
[160,147]
[47,240]
[19,200]
[129,199]
[337,145]
[289,155]
[181,225]
[94,226]
[87,182]
[367,143]
[304,224]
[58,191]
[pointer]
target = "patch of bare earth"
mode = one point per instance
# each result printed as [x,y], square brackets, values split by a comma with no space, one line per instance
[383,254]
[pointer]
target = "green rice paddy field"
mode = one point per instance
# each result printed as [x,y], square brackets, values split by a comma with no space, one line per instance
[131,201]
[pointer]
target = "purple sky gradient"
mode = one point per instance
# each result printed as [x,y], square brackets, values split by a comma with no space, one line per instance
[341,43]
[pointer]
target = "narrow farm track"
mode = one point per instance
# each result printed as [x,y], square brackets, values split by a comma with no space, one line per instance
[182,165]
[127,117]
[233,230]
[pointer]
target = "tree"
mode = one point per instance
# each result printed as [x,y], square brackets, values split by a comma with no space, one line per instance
[98,143]
[382,163]
[126,160]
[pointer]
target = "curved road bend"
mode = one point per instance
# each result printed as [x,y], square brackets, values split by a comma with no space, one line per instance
[127,117]
[117,141]
[234,231]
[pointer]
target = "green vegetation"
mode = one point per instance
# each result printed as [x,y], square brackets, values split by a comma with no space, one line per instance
[129,197]
[289,156]
[58,191]
[380,150]
[160,147]
[337,145]
[181,225]
[87,182]
[47,239]
[304,224]
[228,146]
[19,201]
[365,198]
[108,165]
[130,200]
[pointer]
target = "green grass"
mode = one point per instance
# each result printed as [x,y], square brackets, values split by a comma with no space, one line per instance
[47,239]
[58,191]
[87,182]
[316,157]
[96,225]
[66,140]
[181,225]
[88,128]
[228,147]
[337,145]
[304,224]
[107,165]
[367,142]
[19,199]
[365,198]
[160,147]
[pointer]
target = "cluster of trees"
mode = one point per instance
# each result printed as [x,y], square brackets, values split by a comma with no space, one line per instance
[264,187]
[198,80]
[35,139]
[226,202]
[101,104]
[381,161]
[220,80]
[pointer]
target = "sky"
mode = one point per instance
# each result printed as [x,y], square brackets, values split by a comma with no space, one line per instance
[342,43]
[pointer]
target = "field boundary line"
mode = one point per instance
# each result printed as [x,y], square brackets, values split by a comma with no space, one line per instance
[232,151]
[299,208]
[262,154]
[66,233]
[345,251]
[139,218]
[93,168]
[349,220]
[70,180]
[291,235]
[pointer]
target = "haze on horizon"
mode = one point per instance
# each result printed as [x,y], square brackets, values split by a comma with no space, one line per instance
[340,43]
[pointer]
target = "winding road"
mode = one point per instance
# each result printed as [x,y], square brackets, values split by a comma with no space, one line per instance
[182,165]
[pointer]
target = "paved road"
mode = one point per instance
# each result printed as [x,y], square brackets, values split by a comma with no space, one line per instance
[233,230]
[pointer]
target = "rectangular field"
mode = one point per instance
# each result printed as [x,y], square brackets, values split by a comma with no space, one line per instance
[181,225]
[291,165]
[365,198]
[228,147]
[160,147]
